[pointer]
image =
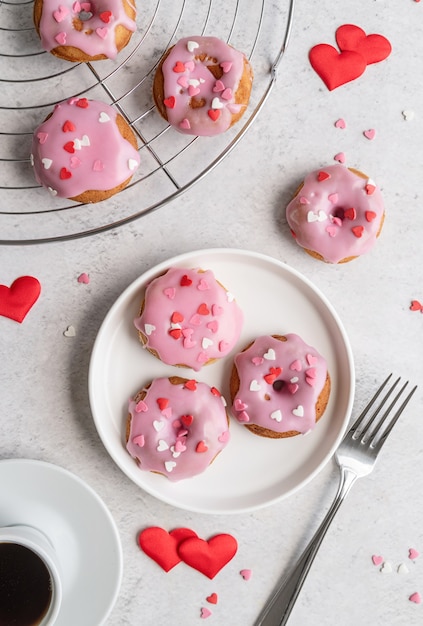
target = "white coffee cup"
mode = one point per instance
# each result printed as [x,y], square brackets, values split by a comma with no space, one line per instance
[23,542]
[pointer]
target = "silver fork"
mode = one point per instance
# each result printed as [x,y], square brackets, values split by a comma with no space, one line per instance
[355,456]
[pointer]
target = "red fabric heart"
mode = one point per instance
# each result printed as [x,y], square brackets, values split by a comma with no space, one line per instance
[336,68]
[373,48]
[208,557]
[18,299]
[162,546]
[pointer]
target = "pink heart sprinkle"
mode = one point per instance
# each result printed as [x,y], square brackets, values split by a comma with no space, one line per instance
[205,612]
[310,381]
[84,278]
[311,360]
[61,39]
[226,66]
[60,14]
[179,446]
[340,123]
[141,407]
[340,157]
[415,597]
[224,437]
[227,94]
[370,134]
[331,230]
[296,366]
[257,360]
[195,320]
[203,285]
[102,32]
[42,137]
[413,554]
[239,405]
[139,440]
[246,574]
[170,292]
[217,310]
[304,200]
[292,388]
[193,91]
[167,412]
[185,125]
[213,326]
[333,198]
[377,560]
[75,162]
[190,66]
[243,417]
[223,345]
[183,81]
[98,166]
[218,86]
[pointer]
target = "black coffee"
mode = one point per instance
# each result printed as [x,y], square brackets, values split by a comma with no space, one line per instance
[25,586]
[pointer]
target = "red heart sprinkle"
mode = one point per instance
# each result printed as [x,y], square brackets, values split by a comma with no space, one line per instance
[191,385]
[185,281]
[187,420]
[334,68]
[370,216]
[215,392]
[213,114]
[350,214]
[19,298]
[321,176]
[416,306]
[82,103]
[162,546]
[208,557]
[170,102]
[177,317]
[203,309]
[179,67]
[65,174]
[69,147]
[201,447]
[212,598]
[373,48]
[358,231]
[163,403]
[370,189]
[176,333]
[106,16]
[68,127]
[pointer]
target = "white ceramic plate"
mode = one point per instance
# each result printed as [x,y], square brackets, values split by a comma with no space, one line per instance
[80,527]
[252,471]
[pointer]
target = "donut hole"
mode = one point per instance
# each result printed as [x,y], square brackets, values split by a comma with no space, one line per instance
[343,213]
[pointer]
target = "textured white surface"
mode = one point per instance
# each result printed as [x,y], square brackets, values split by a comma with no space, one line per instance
[43,374]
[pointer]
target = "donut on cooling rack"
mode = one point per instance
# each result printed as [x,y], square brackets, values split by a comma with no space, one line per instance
[279,386]
[176,427]
[84,151]
[84,31]
[202,86]
[337,214]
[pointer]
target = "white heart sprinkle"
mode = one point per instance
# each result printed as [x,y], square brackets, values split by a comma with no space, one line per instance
[229,296]
[47,163]
[149,328]
[217,104]
[270,355]
[386,568]
[316,217]
[206,343]
[53,192]
[132,164]
[69,332]
[276,415]
[162,446]
[158,425]
[169,465]
[402,569]
[294,379]
[103,118]
[175,454]
[192,45]
[254,386]
[408,115]
[299,411]
[193,82]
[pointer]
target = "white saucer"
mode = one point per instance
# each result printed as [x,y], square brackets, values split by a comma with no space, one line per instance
[80,527]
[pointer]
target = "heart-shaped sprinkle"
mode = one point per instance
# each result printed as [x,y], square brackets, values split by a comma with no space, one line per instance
[408,115]
[70,331]
[179,67]
[132,164]
[185,281]
[402,569]
[191,385]
[350,214]
[386,568]
[299,411]
[139,441]
[239,405]
[47,163]
[103,117]
[69,147]
[296,366]
[102,32]
[340,157]
[254,386]
[201,447]
[68,127]
[141,407]
[192,45]
[218,86]
[206,343]
[158,425]
[98,166]
[170,292]
[358,231]
[162,403]
[106,16]
[370,216]
[42,137]
[205,612]
[65,174]
[203,285]
[311,359]
[226,66]
[370,188]
[162,446]
[185,124]
[61,13]
[83,278]
[212,598]
[246,574]
[331,230]
[224,437]
[413,554]
[213,114]
[74,162]
[370,134]
[177,317]
[170,466]
[217,104]
[187,420]
[170,102]
[203,309]
[270,355]
[276,415]
[193,91]
[340,123]
[333,198]
[416,306]
[415,597]
[149,328]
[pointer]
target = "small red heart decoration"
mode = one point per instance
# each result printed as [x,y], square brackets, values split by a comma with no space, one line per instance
[18,299]
[208,557]
[213,114]
[212,598]
[373,48]
[416,306]
[162,546]
[170,102]
[336,68]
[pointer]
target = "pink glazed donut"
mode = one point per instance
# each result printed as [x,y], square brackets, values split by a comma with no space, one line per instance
[82,31]
[84,151]
[337,214]
[279,386]
[202,86]
[188,318]
[176,427]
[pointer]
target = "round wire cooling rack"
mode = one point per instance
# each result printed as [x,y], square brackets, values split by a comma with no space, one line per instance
[32,81]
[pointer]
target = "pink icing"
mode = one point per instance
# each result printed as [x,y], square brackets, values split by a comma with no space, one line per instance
[280,382]
[189,318]
[186,77]
[336,213]
[177,430]
[80,148]
[99,21]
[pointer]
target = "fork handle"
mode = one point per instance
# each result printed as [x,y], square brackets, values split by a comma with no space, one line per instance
[280,604]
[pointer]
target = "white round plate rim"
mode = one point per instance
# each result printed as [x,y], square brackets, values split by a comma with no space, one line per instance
[80,527]
[117,342]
